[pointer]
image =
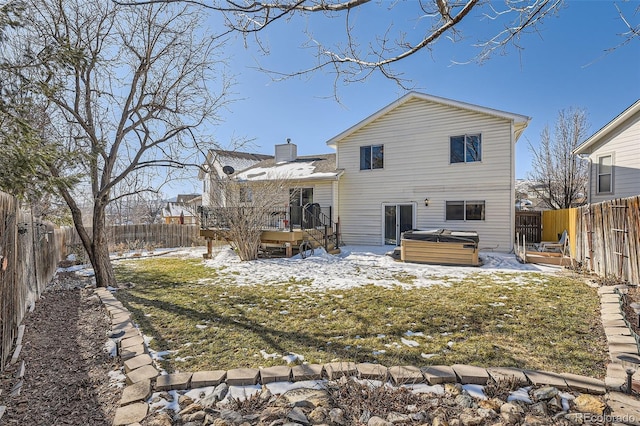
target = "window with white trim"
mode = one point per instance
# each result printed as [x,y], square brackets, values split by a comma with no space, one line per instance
[465,149]
[371,157]
[465,210]
[605,174]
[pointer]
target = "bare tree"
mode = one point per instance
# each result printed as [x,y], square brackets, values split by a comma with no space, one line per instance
[356,54]
[148,208]
[247,208]
[560,178]
[125,91]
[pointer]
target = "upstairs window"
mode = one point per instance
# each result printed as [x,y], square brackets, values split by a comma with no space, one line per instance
[465,149]
[605,174]
[371,157]
[465,210]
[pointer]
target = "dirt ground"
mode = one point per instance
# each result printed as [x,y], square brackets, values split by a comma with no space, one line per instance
[66,376]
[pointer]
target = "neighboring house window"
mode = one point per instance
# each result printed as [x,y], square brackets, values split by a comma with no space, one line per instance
[465,210]
[246,195]
[605,174]
[371,157]
[465,149]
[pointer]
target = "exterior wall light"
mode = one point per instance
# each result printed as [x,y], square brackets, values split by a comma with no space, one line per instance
[426,201]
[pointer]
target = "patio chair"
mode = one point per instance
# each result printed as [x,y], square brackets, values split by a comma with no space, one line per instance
[562,245]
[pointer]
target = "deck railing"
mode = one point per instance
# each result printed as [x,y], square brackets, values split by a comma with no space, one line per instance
[311,216]
[308,217]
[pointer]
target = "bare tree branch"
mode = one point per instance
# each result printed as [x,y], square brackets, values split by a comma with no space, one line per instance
[353,60]
[560,178]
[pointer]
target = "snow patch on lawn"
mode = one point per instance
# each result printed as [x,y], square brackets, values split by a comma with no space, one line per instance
[358,266]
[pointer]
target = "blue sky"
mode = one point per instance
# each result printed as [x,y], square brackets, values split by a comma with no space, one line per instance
[562,65]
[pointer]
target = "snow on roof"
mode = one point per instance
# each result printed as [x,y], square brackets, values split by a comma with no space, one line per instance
[238,160]
[175,210]
[312,167]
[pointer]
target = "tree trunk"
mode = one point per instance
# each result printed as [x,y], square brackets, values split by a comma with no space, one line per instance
[97,248]
[100,261]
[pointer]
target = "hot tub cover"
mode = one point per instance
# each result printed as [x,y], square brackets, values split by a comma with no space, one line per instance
[442,235]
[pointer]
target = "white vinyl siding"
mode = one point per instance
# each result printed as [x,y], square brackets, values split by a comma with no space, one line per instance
[322,192]
[416,136]
[624,147]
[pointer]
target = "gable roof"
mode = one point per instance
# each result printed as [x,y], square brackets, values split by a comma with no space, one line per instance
[520,121]
[239,160]
[177,209]
[308,167]
[584,147]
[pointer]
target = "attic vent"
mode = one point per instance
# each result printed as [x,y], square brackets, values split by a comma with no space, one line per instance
[228,170]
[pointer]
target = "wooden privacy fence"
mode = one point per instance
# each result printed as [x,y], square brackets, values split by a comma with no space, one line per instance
[29,255]
[608,238]
[156,235]
[555,222]
[528,225]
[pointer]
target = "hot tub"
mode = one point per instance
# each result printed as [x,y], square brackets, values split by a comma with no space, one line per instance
[440,246]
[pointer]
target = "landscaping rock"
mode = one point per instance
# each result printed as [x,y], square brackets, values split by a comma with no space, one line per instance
[310,398]
[337,416]
[297,415]
[220,392]
[545,393]
[318,415]
[231,416]
[465,401]
[377,421]
[586,403]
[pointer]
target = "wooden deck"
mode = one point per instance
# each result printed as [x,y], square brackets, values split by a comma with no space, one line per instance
[275,243]
[529,253]
[545,258]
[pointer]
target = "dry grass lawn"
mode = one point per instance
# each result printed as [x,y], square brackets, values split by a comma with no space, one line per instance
[525,320]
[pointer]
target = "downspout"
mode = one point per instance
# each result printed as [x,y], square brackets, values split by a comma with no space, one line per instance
[590,184]
[512,197]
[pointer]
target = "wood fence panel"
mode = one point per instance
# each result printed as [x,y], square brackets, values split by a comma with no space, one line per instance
[555,222]
[159,235]
[529,225]
[29,255]
[608,238]
[8,295]
[634,237]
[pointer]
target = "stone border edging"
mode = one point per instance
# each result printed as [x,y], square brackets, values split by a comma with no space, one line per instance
[143,378]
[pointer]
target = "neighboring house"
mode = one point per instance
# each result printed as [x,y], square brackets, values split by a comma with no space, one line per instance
[422,162]
[425,162]
[527,197]
[213,173]
[182,211]
[614,157]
